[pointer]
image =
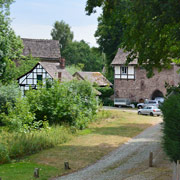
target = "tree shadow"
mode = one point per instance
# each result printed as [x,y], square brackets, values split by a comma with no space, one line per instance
[124,130]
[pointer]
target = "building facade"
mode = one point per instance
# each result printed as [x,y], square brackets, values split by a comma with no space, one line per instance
[130,81]
[50,67]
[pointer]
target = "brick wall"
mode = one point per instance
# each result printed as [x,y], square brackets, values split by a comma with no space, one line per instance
[142,87]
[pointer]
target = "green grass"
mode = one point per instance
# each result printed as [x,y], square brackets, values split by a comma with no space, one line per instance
[25,170]
[111,129]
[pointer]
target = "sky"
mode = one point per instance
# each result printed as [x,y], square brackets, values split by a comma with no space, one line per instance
[35,18]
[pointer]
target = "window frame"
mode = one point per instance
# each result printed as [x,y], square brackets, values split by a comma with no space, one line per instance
[123,73]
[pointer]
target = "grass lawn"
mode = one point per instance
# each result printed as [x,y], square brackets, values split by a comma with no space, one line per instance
[112,129]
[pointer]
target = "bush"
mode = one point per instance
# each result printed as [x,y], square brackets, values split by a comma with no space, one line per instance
[73,103]
[8,94]
[106,92]
[19,116]
[171,129]
[108,102]
[4,156]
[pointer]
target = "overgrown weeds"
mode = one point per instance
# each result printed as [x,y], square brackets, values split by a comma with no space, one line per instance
[17,145]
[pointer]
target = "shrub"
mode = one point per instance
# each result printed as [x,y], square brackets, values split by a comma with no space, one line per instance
[4,156]
[108,102]
[171,129]
[19,116]
[8,94]
[106,92]
[72,102]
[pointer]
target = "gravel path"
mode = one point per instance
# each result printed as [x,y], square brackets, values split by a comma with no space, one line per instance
[128,160]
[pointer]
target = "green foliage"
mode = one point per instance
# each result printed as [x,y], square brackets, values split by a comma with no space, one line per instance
[74,68]
[110,29]
[4,157]
[106,92]
[72,102]
[149,30]
[171,129]
[18,116]
[10,44]
[24,65]
[16,144]
[8,94]
[80,52]
[62,32]
[23,170]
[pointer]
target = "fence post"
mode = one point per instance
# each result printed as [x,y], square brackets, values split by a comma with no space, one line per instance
[66,165]
[174,171]
[178,170]
[36,172]
[151,159]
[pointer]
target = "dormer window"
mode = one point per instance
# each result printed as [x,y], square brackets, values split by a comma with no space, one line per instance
[124,72]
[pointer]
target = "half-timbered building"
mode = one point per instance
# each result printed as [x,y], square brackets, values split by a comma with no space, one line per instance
[51,66]
[43,71]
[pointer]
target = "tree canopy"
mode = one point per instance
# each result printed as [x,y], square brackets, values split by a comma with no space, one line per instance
[81,53]
[149,29]
[10,44]
[76,53]
[62,32]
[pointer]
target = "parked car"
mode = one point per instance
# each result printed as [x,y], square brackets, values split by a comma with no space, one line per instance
[150,110]
[123,102]
[159,99]
[148,103]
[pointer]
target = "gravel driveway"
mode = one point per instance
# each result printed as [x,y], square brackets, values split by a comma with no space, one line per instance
[128,160]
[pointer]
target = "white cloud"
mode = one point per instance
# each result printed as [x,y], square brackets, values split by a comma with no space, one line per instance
[43,32]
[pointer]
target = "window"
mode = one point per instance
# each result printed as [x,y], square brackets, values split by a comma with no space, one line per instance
[39,77]
[125,72]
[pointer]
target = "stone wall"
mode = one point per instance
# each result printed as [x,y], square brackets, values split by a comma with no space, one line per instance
[142,87]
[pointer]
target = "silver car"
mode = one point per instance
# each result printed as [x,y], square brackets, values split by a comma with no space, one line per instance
[150,110]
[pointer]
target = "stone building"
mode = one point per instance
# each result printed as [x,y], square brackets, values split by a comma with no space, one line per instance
[130,82]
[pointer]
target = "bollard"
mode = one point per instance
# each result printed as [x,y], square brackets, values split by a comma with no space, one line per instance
[66,165]
[151,159]
[178,170]
[36,172]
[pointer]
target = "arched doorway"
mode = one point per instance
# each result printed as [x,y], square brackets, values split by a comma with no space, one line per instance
[157,93]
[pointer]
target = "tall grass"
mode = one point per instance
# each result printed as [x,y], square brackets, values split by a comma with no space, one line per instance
[16,145]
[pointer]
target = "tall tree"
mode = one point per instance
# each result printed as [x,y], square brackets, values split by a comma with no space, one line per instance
[10,44]
[62,32]
[81,53]
[151,29]
[110,29]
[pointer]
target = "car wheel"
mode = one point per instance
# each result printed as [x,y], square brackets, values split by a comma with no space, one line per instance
[139,112]
[151,114]
[139,107]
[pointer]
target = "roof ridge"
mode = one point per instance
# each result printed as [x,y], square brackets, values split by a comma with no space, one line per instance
[32,39]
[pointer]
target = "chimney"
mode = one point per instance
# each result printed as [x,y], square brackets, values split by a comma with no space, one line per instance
[62,63]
